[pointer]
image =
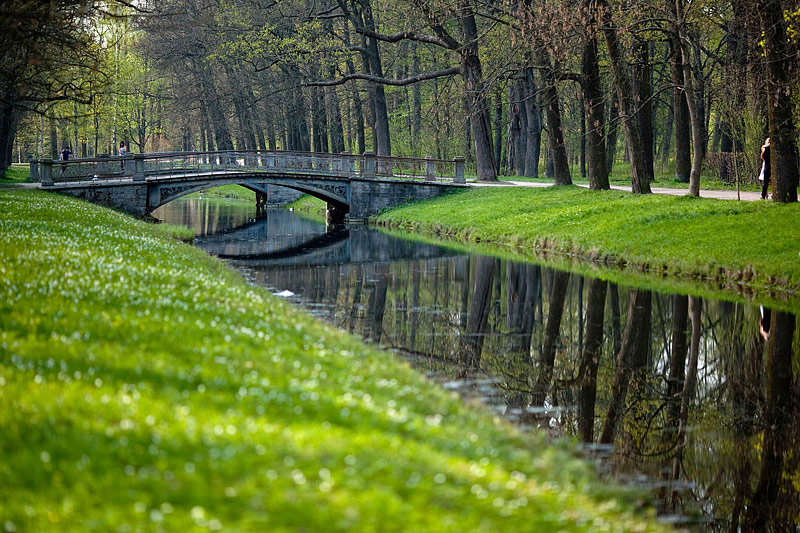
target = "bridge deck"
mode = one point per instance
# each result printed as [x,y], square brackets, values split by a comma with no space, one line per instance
[185,165]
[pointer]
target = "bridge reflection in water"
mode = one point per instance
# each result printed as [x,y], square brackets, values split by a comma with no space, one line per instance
[706,421]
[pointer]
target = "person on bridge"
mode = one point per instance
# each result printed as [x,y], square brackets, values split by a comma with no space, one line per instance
[65,153]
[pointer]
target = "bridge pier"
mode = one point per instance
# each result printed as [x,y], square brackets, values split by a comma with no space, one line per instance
[335,213]
[261,200]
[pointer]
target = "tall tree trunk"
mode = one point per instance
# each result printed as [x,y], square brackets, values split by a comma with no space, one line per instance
[215,113]
[319,124]
[383,145]
[778,418]
[627,103]
[613,128]
[680,111]
[677,360]
[54,151]
[634,342]
[533,143]
[515,133]
[416,96]
[377,302]
[643,74]
[597,170]
[783,150]
[7,134]
[695,307]
[358,107]
[582,107]
[478,315]
[498,129]
[558,295]
[592,348]
[336,131]
[558,148]
[476,94]
[466,146]
[695,119]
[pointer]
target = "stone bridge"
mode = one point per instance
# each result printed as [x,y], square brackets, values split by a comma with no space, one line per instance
[354,187]
[266,243]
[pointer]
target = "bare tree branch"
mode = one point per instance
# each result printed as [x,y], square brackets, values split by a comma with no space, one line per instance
[452,71]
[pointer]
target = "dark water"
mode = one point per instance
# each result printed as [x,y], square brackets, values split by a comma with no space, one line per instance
[683,395]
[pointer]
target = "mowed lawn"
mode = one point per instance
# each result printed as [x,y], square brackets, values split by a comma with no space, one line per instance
[751,243]
[145,386]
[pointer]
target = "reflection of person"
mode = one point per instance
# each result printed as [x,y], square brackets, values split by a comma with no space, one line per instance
[766,167]
[764,322]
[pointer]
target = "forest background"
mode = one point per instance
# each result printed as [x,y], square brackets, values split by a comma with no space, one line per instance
[518,87]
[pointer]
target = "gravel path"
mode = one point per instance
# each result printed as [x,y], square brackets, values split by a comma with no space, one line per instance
[720,195]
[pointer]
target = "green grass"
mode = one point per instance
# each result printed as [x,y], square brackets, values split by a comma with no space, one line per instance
[309,204]
[747,244]
[181,233]
[235,192]
[145,386]
[664,178]
[15,174]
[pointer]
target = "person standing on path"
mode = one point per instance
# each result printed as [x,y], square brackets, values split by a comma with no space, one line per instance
[767,169]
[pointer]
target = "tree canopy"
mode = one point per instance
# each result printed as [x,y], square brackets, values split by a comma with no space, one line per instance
[513,86]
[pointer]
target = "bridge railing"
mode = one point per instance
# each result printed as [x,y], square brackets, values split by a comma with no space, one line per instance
[138,167]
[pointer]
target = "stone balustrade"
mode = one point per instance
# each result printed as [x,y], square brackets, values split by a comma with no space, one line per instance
[140,167]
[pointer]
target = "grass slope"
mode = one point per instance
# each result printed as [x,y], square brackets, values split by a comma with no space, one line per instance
[664,177]
[235,192]
[751,243]
[144,386]
[15,174]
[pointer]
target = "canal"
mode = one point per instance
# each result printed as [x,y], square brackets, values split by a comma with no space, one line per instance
[694,399]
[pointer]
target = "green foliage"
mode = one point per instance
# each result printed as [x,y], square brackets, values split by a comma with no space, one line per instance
[146,386]
[16,174]
[309,204]
[664,178]
[686,237]
[235,192]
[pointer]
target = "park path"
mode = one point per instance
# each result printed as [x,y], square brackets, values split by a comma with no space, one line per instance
[749,196]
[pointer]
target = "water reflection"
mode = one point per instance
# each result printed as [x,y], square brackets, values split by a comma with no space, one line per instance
[695,398]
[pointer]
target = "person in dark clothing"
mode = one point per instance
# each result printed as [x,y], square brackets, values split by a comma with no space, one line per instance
[767,169]
[65,153]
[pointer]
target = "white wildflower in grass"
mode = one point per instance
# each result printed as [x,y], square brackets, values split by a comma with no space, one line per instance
[146,386]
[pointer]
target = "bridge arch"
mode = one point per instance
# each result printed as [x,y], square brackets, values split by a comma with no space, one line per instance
[335,192]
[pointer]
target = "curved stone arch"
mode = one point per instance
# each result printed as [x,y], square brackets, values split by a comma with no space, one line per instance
[333,192]
[326,190]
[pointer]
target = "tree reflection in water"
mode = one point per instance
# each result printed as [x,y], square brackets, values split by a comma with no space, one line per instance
[675,383]
[698,406]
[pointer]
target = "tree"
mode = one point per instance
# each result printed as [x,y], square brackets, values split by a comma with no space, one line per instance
[48,54]
[783,150]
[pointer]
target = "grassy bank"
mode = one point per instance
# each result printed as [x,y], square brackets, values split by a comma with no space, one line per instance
[15,174]
[664,177]
[752,244]
[234,192]
[309,204]
[145,386]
